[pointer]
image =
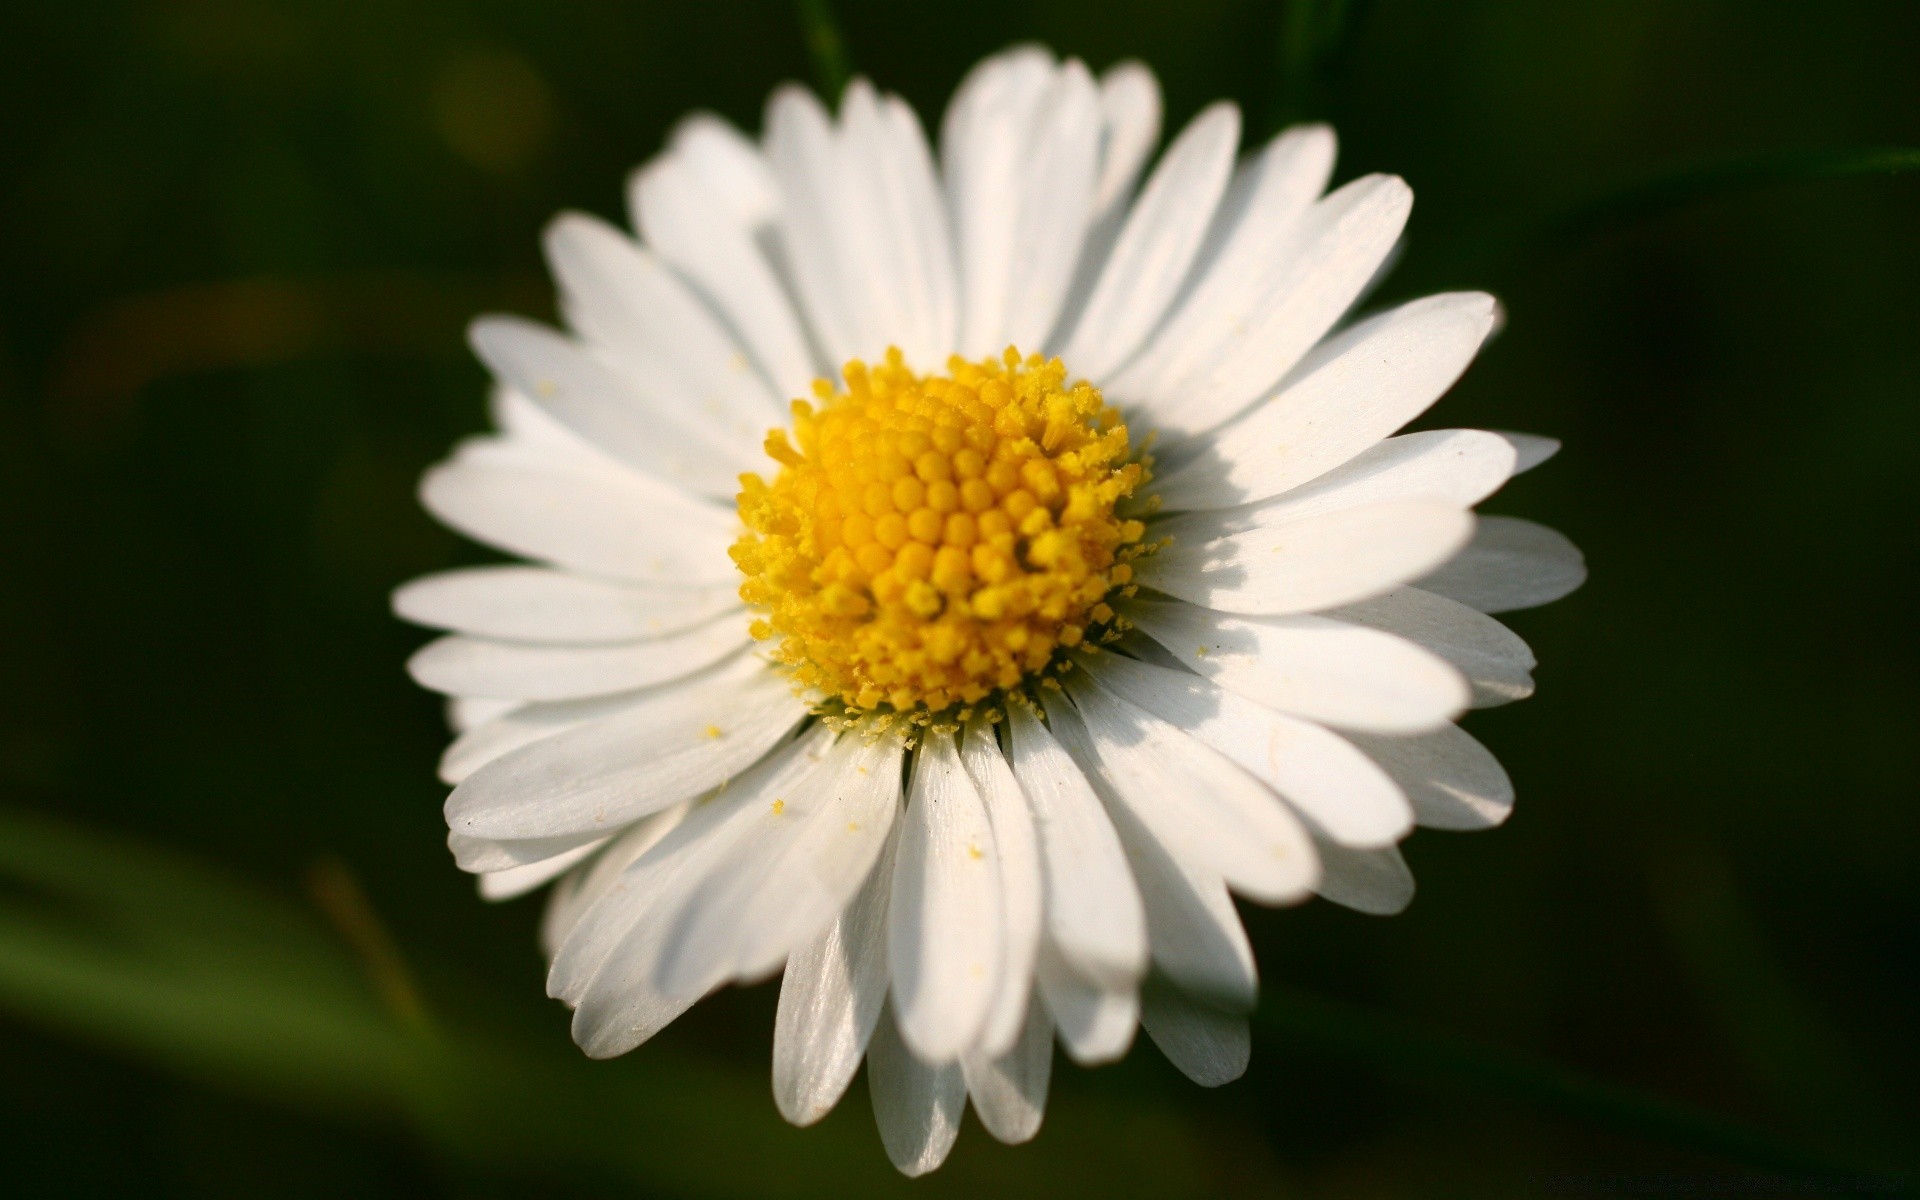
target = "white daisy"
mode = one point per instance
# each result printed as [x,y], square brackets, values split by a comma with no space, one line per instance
[964,709]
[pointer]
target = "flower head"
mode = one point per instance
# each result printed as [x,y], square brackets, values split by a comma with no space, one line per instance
[950,580]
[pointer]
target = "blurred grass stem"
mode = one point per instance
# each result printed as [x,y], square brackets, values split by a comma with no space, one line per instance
[336,891]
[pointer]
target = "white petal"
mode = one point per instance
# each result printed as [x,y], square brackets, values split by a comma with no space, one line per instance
[1010,1091]
[1191,924]
[1376,882]
[636,424]
[1095,1023]
[1310,666]
[1261,212]
[1021,885]
[1531,449]
[1348,394]
[468,712]
[799,144]
[1492,657]
[1019,229]
[1510,564]
[621,1001]
[1158,244]
[830,996]
[1093,913]
[917,1107]
[1207,810]
[1130,113]
[518,881]
[575,894]
[522,725]
[701,206]
[469,666]
[628,527]
[623,298]
[534,604]
[1452,780]
[668,745]
[1209,1046]
[1459,466]
[790,875]
[621,921]
[1317,276]
[484,856]
[1318,772]
[943,927]
[1314,562]
[896,235]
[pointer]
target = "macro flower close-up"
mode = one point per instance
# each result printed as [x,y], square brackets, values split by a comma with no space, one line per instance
[953,575]
[767,599]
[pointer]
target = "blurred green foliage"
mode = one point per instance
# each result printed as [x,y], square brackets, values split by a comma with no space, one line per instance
[241,238]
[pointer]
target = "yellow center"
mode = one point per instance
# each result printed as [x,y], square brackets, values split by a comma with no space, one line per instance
[932,539]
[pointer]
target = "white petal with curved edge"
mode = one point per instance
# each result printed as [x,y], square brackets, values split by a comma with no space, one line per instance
[701,207]
[1095,1023]
[984,139]
[917,1107]
[830,996]
[636,423]
[535,604]
[1093,913]
[1206,809]
[943,926]
[1209,1046]
[1009,1090]
[669,745]
[1310,666]
[524,724]
[798,141]
[624,299]
[1458,466]
[1376,882]
[1020,230]
[620,1003]
[577,892]
[627,899]
[898,234]
[1130,115]
[1496,662]
[1319,773]
[1452,780]
[470,666]
[1531,449]
[1510,564]
[518,881]
[1350,392]
[468,712]
[628,527]
[1311,563]
[1021,885]
[1158,244]
[485,856]
[1336,251]
[791,873]
[1263,207]
[1192,928]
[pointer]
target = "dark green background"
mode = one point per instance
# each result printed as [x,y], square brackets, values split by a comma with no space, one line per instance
[238,242]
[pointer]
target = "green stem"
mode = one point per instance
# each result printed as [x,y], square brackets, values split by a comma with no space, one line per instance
[826,47]
[1396,1049]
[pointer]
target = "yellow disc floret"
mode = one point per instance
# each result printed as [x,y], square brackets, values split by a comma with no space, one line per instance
[932,539]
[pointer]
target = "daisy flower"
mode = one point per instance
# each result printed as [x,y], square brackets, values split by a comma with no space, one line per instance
[950,578]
